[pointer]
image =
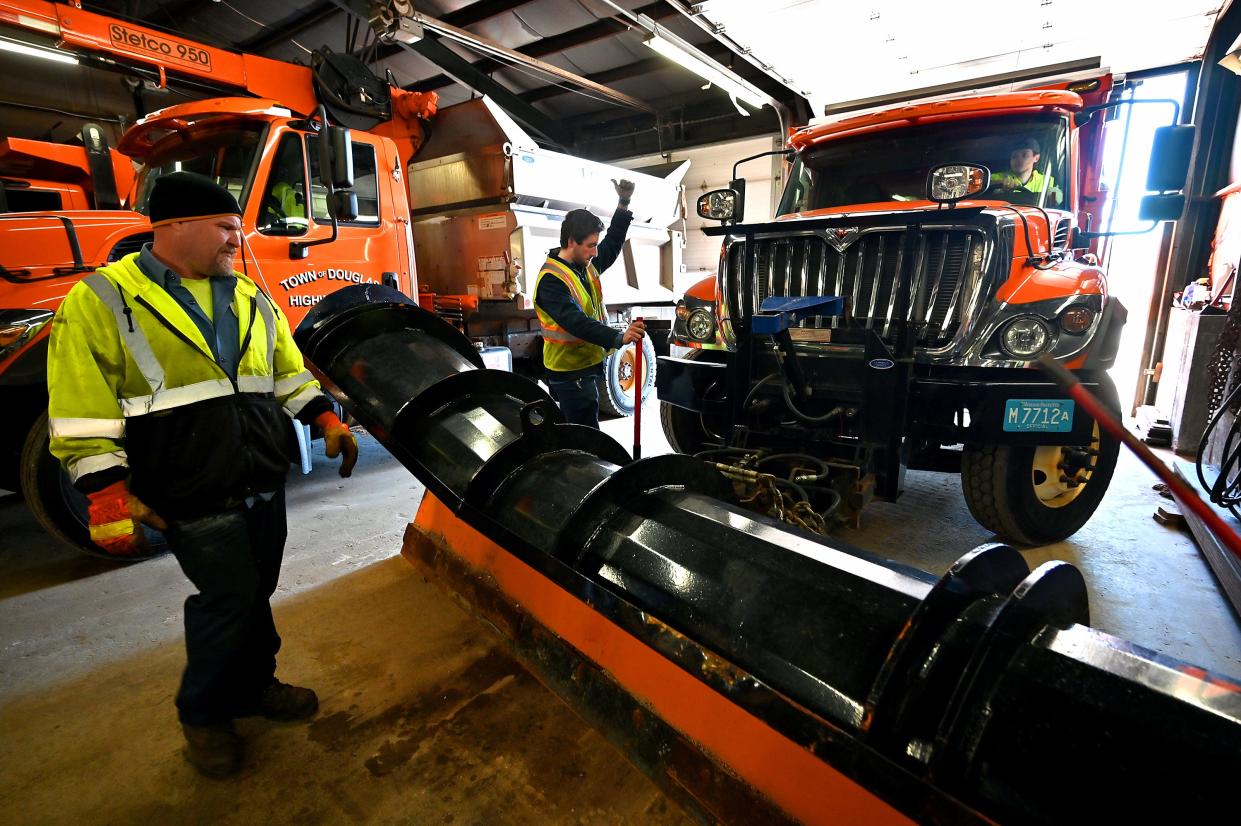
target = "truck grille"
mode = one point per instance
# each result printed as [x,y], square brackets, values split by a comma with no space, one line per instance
[131,244]
[946,277]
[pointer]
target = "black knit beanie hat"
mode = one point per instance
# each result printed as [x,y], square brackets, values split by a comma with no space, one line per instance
[188,196]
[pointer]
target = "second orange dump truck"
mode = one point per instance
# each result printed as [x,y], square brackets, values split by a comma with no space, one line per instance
[920,259]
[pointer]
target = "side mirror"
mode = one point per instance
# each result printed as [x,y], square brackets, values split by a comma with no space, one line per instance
[336,157]
[344,204]
[718,205]
[1169,164]
[950,182]
[1161,207]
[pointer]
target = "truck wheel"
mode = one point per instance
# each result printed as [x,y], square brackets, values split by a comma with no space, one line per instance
[1025,493]
[689,432]
[59,507]
[618,386]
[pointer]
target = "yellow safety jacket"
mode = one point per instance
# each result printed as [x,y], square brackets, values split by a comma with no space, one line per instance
[133,387]
[562,351]
[1037,183]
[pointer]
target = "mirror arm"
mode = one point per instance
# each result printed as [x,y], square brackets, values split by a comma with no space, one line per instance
[298,250]
[785,152]
[1085,113]
[1089,235]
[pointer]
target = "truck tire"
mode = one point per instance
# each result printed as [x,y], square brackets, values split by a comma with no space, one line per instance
[58,506]
[1015,490]
[689,432]
[617,387]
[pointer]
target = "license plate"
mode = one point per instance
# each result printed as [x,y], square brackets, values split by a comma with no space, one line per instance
[1038,415]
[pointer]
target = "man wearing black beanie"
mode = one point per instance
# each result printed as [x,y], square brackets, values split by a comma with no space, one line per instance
[172,381]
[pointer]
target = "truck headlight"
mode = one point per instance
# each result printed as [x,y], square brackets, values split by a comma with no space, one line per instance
[19,326]
[701,325]
[1025,337]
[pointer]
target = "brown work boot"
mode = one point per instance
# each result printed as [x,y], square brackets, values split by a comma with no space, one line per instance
[286,703]
[215,750]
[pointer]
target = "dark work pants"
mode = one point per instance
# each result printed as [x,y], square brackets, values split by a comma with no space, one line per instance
[233,558]
[578,400]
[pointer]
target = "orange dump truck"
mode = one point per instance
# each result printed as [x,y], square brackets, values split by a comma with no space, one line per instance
[921,258]
[39,175]
[323,206]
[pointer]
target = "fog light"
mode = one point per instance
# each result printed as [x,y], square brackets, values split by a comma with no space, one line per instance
[701,325]
[1076,319]
[1025,338]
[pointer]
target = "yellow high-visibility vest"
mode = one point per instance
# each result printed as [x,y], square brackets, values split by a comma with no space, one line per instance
[133,387]
[562,351]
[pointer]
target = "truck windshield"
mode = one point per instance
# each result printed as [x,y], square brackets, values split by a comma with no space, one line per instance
[226,155]
[1028,157]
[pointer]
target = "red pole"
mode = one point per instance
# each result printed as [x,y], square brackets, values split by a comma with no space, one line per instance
[1184,494]
[639,380]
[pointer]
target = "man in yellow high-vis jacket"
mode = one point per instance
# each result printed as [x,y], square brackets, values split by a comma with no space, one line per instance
[1023,175]
[172,381]
[568,301]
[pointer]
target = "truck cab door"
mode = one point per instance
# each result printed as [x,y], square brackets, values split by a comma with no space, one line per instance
[290,208]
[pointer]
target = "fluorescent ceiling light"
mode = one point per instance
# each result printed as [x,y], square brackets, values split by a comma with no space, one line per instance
[686,55]
[14,46]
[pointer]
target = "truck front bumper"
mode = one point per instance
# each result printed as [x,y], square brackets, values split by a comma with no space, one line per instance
[949,404]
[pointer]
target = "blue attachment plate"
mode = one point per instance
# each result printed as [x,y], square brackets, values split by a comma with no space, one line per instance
[779,311]
[1038,415]
[820,304]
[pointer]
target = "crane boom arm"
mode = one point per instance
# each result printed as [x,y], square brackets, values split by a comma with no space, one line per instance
[80,30]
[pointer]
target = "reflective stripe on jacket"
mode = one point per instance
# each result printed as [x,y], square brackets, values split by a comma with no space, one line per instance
[562,351]
[132,385]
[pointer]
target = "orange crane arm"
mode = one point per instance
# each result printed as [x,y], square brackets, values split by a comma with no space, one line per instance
[77,29]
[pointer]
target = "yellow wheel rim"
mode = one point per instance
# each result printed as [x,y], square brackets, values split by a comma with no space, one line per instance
[1061,472]
[625,370]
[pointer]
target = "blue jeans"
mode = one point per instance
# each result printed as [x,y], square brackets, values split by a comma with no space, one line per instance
[578,400]
[233,558]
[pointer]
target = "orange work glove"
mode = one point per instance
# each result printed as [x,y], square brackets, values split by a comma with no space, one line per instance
[116,519]
[338,439]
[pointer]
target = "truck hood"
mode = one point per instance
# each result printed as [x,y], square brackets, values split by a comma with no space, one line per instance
[901,212]
[895,208]
[36,259]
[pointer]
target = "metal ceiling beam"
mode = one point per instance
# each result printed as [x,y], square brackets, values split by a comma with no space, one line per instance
[284,30]
[468,16]
[178,10]
[590,33]
[641,67]
[628,70]
[699,19]
[321,10]
[481,10]
[396,18]
[684,123]
[532,119]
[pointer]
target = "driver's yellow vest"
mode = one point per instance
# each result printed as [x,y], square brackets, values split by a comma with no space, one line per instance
[562,351]
[1037,183]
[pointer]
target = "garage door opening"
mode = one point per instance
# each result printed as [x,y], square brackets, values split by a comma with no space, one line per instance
[1132,262]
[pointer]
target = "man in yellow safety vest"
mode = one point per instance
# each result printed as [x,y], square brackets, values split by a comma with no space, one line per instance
[1023,175]
[172,384]
[568,301]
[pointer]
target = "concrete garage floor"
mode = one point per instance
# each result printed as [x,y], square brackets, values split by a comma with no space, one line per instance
[425,718]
